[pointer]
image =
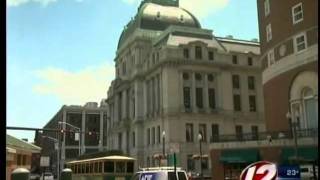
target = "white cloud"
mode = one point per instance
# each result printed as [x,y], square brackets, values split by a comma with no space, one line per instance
[90,84]
[131,1]
[203,8]
[15,3]
[200,8]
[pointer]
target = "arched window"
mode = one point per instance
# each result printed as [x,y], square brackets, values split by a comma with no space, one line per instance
[309,108]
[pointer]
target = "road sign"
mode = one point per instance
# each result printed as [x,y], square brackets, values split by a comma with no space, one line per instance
[76,136]
[56,145]
[174,147]
[44,161]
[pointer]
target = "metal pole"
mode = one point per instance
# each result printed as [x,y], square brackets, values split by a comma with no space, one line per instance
[163,147]
[200,160]
[295,141]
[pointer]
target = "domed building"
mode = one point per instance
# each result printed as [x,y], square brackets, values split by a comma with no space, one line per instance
[176,83]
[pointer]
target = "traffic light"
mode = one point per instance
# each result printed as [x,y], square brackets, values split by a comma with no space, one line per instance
[36,136]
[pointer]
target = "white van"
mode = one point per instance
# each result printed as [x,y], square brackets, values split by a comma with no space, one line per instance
[160,173]
[306,171]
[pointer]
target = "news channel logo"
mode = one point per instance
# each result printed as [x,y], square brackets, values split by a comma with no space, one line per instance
[264,170]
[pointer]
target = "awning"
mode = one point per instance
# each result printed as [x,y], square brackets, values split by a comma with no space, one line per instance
[304,154]
[239,156]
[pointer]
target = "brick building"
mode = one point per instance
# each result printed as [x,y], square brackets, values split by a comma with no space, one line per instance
[20,154]
[289,56]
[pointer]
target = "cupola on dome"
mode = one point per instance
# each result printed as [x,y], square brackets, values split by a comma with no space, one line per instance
[157,15]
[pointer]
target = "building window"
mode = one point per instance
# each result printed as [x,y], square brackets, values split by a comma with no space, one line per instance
[204,163]
[186,53]
[190,163]
[251,84]
[203,132]
[268,32]
[270,57]
[235,82]
[186,97]
[300,42]
[198,52]
[309,109]
[297,13]
[210,55]
[212,98]
[250,61]
[133,139]
[198,77]
[254,131]
[185,76]
[148,136]
[199,98]
[236,102]
[239,132]
[124,68]
[19,159]
[189,132]
[120,141]
[266,7]
[153,135]
[210,77]
[215,132]
[158,133]
[234,59]
[157,57]
[252,103]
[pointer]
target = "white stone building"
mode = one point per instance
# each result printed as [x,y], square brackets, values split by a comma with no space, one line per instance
[174,76]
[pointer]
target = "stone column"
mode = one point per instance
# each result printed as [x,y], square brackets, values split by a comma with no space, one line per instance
[206,94]
[101,132]
[193,93]
[182,108]
[63,151]
[83,129]
[123,104]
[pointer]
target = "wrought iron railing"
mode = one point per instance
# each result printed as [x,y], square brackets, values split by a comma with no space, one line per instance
[302,133]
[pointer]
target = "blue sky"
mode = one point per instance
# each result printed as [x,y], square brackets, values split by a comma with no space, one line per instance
[61,51]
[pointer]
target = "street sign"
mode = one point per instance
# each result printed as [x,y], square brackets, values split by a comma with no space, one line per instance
[76,136]
[44,161]
[56,145]
[174,147]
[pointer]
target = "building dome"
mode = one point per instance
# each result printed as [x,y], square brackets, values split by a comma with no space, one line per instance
[157,17]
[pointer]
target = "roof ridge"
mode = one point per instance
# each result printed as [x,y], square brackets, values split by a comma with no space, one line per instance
[37,147]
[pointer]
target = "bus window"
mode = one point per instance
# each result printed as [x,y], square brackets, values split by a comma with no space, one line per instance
[83,168]
[129,167]
[120,167]
[87,168]
[96,167]
[91,168]
[100,167]
[108,167]
[75,169]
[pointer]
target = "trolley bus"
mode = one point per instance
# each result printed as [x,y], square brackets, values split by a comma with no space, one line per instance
[103,168]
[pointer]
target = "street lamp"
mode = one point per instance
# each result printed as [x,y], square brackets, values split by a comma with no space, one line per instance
[57,147]
[163,144]
[78,129]
[200,139]
[294,124]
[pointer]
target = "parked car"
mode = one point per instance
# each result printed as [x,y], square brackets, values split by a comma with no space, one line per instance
[34,176]
[306,172]
[47,176]
[160,173]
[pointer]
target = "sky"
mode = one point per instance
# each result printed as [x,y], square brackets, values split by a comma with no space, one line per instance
[60,52]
